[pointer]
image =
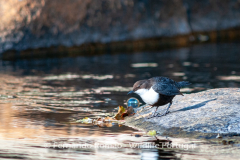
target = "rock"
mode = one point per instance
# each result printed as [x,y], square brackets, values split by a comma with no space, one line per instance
[203,114]
[29,24]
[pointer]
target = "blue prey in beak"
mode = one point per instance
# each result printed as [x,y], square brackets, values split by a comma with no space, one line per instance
[130,92]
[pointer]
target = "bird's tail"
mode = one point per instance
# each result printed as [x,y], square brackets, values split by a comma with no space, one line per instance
[182,84]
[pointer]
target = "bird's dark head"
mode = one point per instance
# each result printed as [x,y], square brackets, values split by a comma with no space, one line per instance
[142,84]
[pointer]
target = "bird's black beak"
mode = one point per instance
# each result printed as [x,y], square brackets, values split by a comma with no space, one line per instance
[130,92]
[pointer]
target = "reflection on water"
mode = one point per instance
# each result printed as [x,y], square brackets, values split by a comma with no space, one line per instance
[27,133]
[40,97]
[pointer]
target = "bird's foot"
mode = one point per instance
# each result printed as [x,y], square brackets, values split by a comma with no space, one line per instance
[152,116]
[164,114]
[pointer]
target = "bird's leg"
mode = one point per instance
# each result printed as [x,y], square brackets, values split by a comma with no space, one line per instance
[155,110]
[154,113]
[166,112]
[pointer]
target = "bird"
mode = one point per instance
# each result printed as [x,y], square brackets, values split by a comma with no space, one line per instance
[158,91]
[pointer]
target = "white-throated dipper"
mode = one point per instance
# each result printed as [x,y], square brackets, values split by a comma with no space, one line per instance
[158,91]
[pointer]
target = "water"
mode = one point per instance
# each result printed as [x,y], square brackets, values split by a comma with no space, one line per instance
[41,98]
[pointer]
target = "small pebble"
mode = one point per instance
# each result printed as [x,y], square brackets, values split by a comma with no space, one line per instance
[137,135]
[219,136]
[224,142]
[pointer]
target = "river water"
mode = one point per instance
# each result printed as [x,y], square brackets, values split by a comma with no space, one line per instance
[40,99]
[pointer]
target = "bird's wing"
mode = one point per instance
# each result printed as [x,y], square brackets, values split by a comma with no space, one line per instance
[166,87]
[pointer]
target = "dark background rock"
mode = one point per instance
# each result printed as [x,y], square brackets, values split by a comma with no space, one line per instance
[28,24]
[203,114]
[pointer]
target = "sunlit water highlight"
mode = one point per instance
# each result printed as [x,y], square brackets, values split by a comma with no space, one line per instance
[40,98]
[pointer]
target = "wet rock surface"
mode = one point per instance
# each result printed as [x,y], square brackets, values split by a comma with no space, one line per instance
[203,114]
[44,23]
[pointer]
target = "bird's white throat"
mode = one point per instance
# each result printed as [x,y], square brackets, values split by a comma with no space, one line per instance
[149,96]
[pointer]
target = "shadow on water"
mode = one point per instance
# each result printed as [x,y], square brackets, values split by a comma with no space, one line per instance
[40,97]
